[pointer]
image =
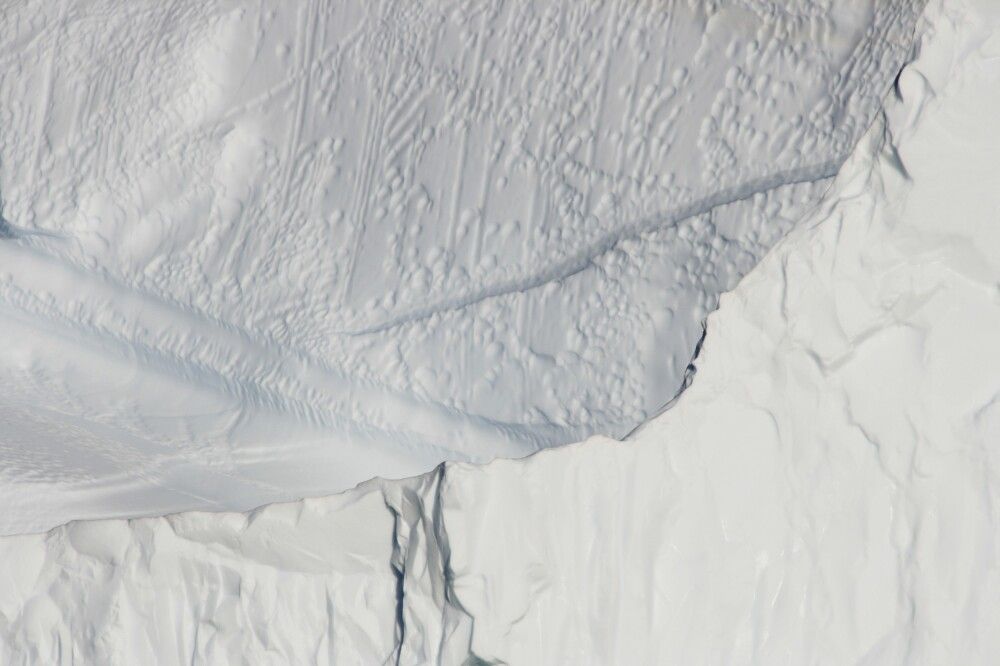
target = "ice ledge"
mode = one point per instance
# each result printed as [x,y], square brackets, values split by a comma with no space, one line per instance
[823,493]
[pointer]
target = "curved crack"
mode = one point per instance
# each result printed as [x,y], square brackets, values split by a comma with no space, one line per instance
[584,257]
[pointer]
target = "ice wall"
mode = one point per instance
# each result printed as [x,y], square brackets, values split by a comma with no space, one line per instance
[255,251]
[823,493]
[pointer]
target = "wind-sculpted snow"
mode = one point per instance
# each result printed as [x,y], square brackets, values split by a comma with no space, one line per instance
[254,251]
[823,493]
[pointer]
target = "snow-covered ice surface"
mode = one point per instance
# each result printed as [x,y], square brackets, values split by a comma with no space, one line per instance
[255,251]
[823,493]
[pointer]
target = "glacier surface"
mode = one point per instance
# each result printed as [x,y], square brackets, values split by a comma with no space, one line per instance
[823,493]
[258,251]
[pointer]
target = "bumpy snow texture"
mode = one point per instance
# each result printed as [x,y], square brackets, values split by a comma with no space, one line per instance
[258,251]
[823,493]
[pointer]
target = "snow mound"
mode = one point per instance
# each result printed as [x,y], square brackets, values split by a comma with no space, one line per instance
[255,251]
[824,492]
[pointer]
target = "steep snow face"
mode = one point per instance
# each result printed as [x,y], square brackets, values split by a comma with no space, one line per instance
[824,492]
[251,251]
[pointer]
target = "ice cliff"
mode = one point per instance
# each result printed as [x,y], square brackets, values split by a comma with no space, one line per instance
[823,493]
[258,251]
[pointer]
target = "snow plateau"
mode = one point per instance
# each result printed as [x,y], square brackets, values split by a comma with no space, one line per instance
[258,251]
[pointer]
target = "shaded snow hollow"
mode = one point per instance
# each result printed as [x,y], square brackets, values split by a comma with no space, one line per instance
[823,493]
[258,251]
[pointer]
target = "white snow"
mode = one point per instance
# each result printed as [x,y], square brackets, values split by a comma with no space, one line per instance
[823,493]
[257,251]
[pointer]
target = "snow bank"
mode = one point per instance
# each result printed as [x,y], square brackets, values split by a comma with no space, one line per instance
[823,493]
[256,251]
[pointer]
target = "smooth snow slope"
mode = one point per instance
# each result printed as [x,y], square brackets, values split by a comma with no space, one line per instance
[824,493]
[251,251]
